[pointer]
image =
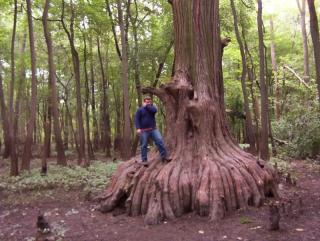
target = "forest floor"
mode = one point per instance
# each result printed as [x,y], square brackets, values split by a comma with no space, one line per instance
[71,217]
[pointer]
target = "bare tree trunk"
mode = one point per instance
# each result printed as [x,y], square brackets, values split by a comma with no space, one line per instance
[25,164]
[76,67]
[314,29]
[250,137]
[61,158]
[22,77]
[126,139]
[87,96]
[93,101]
[135,60]
[105,120]
[275,72]
[47,126]
[13,151]
[209,173]
[14,171]
[118,108]
[302,10]
[251,77]
[264,132]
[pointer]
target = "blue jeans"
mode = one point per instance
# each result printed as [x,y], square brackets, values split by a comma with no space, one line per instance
[157,138]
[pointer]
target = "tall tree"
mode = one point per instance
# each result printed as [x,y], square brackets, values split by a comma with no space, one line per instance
[93,99]
[61,158]
[264,130]
[275,71]
[126,137]
[14,171]
[209,173]
[76,68]
[314,29]
[19,96]
[13,153]
[87,96]
[248,121]
[302,10]
[105,117]
[25,164]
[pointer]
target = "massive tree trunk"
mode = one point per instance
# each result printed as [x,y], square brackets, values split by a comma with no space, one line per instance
[302,10]
[209,173]
[250,137]
[264,130]
[314,29]
[25,164]
[61,158]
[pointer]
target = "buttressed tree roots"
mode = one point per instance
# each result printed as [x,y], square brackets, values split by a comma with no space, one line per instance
[209,174]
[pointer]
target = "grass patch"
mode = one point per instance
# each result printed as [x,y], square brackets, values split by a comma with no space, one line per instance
[94,177]
[245,220]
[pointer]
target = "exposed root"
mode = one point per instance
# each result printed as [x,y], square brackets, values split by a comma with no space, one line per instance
[212,186]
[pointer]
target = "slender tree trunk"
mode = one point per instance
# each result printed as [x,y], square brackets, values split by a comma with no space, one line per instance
[76,68]
[302,10]
[250,137]
[264,131]
[14,171]
[209,174]
[47,126]
[13,151]
[105,120]
[93,101]
[135,60]
[61,158]
[117,139]
[66,129]
[314,29]
[126,139]
[136,66]
[87,96]
[25,165]
[22,77]
[251,77]
[275,72]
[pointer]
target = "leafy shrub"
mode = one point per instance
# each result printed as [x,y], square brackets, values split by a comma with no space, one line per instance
[93,177]
[301,128]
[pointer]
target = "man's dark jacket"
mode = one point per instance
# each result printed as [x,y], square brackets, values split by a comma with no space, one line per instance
[145,117]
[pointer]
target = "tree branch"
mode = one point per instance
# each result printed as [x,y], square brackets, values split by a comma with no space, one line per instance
[161,64]
[116,41]
[246,5]
[159,92]
[298,77]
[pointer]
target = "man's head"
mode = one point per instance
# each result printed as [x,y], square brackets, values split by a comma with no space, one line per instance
[147,100]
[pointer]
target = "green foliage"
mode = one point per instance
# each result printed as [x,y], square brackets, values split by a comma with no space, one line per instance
[94,177]
[301,128]
[245,220]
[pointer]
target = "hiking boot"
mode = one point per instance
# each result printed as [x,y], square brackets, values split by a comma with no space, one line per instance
[143,163]
[166,159]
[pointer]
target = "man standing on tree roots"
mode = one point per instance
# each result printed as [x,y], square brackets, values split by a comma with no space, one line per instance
[145,123]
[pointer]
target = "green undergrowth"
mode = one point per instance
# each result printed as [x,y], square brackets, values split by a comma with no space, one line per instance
[93,178]
[284,167]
